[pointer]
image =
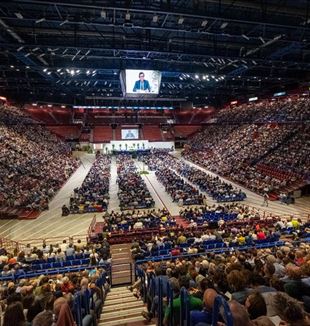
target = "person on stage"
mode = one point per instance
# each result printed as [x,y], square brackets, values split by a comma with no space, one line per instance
[142,85]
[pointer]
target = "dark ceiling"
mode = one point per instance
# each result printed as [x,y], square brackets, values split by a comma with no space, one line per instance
[209,51]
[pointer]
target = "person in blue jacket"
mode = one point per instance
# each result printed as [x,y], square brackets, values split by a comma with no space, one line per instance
[142,84]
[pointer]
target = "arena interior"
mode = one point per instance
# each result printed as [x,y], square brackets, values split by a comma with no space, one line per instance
[155,163]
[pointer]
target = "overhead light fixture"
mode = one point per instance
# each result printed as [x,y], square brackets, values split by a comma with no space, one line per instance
[45,69]
[27,67]
[180,20]
[49,105]
[18,15]
[34,104]
[58,70]
[63,106]
[127,16]
[204,23]
[64,22]
[49,72]
[262,40]
[155,19]
[87,72]
[103,14]
[244,36]
[11,32]
[223,25]
[38,21]
[72,72]
[196,76]
[20,48]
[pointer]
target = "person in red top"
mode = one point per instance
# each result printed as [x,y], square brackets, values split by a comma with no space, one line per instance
[261,235]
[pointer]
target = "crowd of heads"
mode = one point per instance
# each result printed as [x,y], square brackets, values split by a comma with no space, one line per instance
[133,192]
[34,162]
[93,195]
[237,152]
[137,220]
[290,109]
[175,174]
[259,284]
[48,300]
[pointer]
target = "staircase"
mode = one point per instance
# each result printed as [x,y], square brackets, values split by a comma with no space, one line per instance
[121,308]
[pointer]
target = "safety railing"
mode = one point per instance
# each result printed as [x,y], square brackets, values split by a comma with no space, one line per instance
[165,296]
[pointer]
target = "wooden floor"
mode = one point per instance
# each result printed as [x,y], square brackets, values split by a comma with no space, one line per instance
[51,224]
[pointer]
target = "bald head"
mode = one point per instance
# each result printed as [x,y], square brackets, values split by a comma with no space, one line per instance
[239,313]
[208,298]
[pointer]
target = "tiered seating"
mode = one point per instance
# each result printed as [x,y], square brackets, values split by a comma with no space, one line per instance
[152,133]
[85,137]
[185,130]
[66,132]
[102,134]
[118,133]
[41,115]
[34,165]
[62,116]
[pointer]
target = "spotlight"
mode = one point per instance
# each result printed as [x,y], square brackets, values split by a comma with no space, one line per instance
[223,25]
[127,16]
[103,14]
[155,18]
[196,76]
[180,20]
[45,69]
[38,21]
[204,23]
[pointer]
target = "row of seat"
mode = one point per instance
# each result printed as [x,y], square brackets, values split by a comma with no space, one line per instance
[51,271]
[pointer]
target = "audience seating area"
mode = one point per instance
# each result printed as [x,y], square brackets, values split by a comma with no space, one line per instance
[102,134]
[43,279]
[264,158]
[152,132]
[34,163]
[93,195]
[66,132]
[133,192]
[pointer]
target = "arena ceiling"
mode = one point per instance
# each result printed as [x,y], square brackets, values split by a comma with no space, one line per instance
[209,51]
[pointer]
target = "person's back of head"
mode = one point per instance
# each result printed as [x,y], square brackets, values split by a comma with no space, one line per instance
[209,298]
[239,314]
[14,315]
[184,281]
[44,318]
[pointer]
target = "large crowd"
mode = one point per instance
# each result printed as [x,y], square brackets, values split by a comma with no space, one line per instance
[53,297]
[266,158]
[133,192]
[261,285]
[34,163]
[93,195]
[290,109]
[175,174]
[137,220]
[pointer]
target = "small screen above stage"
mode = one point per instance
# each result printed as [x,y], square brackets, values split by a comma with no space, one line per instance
[128,134]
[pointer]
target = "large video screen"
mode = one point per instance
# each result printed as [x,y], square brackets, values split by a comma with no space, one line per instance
[142,81]
[128,134]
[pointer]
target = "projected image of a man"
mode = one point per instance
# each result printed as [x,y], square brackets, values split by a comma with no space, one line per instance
[142,84]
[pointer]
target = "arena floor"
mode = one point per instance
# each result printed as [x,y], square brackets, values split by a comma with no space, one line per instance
[51,224]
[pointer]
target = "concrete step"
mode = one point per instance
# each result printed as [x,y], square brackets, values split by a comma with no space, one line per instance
[119,289]
[121,306]
[122,321]
[107,316]
[114,301]
[116,295]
